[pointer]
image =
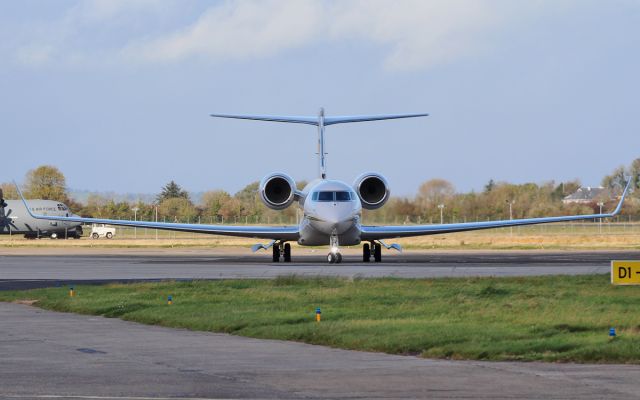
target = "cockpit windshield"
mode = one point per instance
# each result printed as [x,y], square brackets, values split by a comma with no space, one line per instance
[333,196]
[343,196]
[325,196]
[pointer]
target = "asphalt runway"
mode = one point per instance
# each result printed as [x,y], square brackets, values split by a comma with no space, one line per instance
[28,271]
[66,356]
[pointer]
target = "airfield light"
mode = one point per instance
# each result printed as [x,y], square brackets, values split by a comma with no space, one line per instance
[156,221]
[71,292]
[318,313]
[600,204]
[612,332]
[135,218]
[511,203]
[170,300]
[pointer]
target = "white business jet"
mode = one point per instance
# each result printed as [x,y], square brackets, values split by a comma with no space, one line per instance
[332,209]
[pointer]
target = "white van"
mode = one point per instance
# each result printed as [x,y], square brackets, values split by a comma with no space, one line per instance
[102,230]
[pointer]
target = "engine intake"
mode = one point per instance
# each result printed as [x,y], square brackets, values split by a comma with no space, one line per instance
[277,191]
[373,190]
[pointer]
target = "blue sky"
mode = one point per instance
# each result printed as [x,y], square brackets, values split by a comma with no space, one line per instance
[117,93]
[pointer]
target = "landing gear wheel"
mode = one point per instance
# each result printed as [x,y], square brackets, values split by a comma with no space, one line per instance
[334,258]
[287,252]
[339,258]
[377,252]
[366,252]
[276,253]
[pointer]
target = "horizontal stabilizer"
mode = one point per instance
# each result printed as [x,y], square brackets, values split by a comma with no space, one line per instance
[365,118]
[272,118]
[316,120]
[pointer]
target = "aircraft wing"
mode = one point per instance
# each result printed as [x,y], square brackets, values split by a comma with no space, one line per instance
[287,233]
[389,232]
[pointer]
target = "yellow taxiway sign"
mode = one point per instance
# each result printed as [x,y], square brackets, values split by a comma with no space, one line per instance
[625,272]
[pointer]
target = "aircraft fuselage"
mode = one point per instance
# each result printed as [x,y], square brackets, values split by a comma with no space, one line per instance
[15,220]
[330,208]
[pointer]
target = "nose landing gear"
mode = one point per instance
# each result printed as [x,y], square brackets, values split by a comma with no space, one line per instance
[334,256]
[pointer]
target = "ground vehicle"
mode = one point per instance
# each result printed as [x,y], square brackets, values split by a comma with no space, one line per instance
[102,230]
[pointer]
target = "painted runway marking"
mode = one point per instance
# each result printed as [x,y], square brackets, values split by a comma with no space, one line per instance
[56,396]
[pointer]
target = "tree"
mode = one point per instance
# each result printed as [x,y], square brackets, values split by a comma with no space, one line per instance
[46,182]
[9,191]
[489,186]
[615,180]
[634,171]
[177,209]
[172,191]
[434,192]
[250,203]
[212,201]
[231,208]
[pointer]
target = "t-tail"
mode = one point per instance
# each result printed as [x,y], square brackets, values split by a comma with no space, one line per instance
[320,121]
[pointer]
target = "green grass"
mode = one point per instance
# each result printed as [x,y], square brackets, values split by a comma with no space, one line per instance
[535,318]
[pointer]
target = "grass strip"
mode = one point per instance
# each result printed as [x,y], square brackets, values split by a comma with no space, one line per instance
[555,319]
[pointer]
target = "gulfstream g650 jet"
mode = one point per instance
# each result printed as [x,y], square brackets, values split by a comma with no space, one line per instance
[332,209]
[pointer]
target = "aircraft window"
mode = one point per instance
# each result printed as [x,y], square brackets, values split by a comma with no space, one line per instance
[325,196]
[343,196]
[333,196]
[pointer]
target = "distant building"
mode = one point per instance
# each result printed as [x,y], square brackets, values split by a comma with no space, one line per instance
[588,195]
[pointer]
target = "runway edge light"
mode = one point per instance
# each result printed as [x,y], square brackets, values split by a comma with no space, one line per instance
[170,300]
[612,332]
[71,291]
[318,313]
[625,272]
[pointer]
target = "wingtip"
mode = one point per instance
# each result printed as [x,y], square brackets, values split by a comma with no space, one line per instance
[624,195]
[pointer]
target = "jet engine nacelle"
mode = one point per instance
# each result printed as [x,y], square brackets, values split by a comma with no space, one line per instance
[373,190]
[277,191]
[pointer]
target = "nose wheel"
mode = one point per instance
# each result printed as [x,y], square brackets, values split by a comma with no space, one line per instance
[334,258]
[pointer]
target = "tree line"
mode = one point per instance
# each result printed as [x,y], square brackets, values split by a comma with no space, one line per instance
[436,200]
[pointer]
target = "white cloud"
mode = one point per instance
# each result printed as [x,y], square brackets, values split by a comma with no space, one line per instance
[236,30]
[415,33]
[68,39]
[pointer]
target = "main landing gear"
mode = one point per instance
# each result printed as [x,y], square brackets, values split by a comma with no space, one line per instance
[281,249]
[374,249]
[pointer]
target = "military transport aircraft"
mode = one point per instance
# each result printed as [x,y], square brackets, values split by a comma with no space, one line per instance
[332,209]
[15,220]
